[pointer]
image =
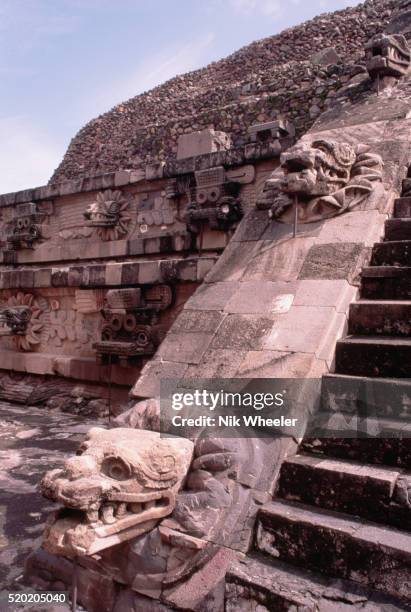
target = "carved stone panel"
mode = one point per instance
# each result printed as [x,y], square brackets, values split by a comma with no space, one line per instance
[109,215]
[132,326]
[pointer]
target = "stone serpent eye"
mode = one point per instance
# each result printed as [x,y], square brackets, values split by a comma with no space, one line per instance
[116,468]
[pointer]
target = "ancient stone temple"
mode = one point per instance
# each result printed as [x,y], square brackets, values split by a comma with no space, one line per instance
[250,220]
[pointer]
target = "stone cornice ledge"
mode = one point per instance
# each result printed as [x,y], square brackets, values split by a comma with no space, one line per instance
[120,178]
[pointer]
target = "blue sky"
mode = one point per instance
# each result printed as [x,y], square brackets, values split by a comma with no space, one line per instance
[63,62]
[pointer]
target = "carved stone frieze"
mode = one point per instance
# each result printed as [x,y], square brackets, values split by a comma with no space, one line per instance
[26,226]
[132,326]
[119,486]
[158,211]
[214,199]
[22,317]
[108,214]
[323,179]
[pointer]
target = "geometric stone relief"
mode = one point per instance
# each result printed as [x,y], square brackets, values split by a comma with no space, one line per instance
[88,301]
[157,211]
[214,197]
[132,325]
[23,318]
[27,225]
[322,179]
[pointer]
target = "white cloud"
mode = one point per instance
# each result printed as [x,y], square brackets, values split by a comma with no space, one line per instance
[27,155]
[270,8]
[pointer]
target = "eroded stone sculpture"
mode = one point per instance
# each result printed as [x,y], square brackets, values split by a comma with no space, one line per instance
[158,509]
[387,56]
[108,215]
[322,179]
[118,487]
[21,318]
[216,201]
[25,229]
[131,323]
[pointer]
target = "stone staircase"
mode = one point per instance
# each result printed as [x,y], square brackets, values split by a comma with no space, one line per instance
[343,505]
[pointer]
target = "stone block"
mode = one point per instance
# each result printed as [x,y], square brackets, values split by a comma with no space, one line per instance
[217,363]
[243,332]
[42,277]
[135,247]
[152,245]
[136,176]
[211,240]
[148,272]
[121,177]
[148,384]
[202,143]
[336,293]
[302,329]
[130,274]
[204,265]
[197,321]
[59,277]
[26,279]
[155,171]
[212,296]
[362,226]
[181,242]
[113,274]
[187,269]
[75,276]
[97,276]
[274,261]
[275,364]
[262,297]
[185,347]
[332,261]
[234,262]
[166,244]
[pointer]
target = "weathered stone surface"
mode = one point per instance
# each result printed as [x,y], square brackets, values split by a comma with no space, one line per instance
[360,490]
[261,297]
[332,261]
[107,486]
[372,555]
[243,332]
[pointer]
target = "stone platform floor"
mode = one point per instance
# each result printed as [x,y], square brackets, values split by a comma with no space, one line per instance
[32,441]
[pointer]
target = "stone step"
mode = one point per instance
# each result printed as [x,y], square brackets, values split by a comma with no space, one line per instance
[374,356]
[397,229]
[374,493]
[337,545]
[386,283]
[395,253]
[402,208]
[386,398]
[257,583]
[389,448]
[381,318]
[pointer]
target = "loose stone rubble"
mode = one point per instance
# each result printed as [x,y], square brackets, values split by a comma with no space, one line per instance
[220,226]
